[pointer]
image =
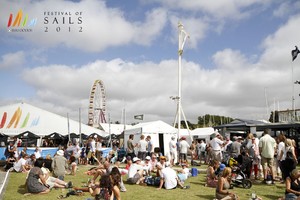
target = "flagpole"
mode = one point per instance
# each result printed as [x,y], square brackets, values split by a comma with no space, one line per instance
[293,95]
[294,56]
[182,36]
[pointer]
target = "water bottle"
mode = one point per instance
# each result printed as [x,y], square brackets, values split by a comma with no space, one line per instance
[253,195]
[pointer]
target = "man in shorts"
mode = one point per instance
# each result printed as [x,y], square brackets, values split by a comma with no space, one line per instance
[267,146]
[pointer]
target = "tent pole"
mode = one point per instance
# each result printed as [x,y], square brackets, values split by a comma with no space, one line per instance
[68,127]
[80,139]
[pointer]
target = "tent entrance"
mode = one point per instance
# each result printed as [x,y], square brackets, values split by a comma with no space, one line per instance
[161,143]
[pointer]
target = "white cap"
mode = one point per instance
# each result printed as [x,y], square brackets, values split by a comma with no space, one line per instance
[135,159]
[60,152]
[148,158]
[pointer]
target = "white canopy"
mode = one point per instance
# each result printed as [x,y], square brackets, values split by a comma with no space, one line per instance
[159,131]
[116,129]
[21,117]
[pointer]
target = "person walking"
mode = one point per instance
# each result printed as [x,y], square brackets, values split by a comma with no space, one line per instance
[267,146]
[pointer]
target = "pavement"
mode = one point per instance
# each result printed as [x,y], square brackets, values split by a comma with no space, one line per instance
[2,183]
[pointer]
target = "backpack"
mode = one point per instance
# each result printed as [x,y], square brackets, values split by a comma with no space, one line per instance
[289,154]
[154,181]
[194,172]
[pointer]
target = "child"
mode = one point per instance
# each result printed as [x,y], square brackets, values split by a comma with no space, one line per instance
[73,165]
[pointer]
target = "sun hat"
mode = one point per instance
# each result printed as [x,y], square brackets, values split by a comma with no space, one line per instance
[60,152]
[162,158]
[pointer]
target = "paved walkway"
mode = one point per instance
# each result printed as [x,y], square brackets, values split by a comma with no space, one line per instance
[2,184]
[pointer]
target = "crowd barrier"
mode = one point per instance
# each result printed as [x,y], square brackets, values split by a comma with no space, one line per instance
[45,151]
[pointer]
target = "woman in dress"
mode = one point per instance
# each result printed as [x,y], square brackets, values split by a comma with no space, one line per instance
[222,192]
[36,183]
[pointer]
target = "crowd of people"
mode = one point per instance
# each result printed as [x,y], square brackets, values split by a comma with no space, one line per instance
[266,158]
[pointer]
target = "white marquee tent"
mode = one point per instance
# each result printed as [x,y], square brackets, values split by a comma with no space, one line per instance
[21,117]
[159,131]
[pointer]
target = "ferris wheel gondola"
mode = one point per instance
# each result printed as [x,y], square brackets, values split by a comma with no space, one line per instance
[97,104]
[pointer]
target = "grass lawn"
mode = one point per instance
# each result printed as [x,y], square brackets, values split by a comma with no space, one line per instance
[15,190]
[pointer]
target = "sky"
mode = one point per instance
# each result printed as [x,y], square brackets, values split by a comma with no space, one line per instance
[236,62]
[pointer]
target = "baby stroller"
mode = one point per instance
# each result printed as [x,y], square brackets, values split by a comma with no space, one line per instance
[239,177]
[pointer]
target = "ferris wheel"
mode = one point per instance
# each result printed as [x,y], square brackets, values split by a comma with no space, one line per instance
[97,103]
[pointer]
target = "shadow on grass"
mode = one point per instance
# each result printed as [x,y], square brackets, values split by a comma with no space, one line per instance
[197,183]
[208,197]
[270,197]
[22,189]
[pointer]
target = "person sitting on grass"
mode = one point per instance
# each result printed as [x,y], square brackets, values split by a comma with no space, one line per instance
[169,179]
[108,188]
[292,190]
[101,170]
[21,165]
[135,172]
[211,176]
[153,162]
[10,161]
[160,165]
[50,180]
[223,186]
[183,173]
[35,182]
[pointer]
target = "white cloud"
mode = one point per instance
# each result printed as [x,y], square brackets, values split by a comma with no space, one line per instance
[12,60]
[232,9]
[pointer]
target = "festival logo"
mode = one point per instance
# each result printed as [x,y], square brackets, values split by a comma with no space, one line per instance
[63,21]
[20,23]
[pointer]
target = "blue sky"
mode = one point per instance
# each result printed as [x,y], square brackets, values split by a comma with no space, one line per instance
[237,50]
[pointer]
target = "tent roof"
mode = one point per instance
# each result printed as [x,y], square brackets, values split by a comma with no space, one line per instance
[241,123]
[155,127]
[116,129]
[203,131]
[27,135]
[21,117]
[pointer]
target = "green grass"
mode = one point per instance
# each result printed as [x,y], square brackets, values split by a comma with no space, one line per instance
[15,190]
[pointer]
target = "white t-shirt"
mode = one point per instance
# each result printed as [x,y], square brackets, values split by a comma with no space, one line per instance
[216,144]
[184,146]
[98,146]
[281,148]
[172,146]
[133,169]
[170,178]
[18,165]
[147,166]
[93,146]
[143,145]
[37,154]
